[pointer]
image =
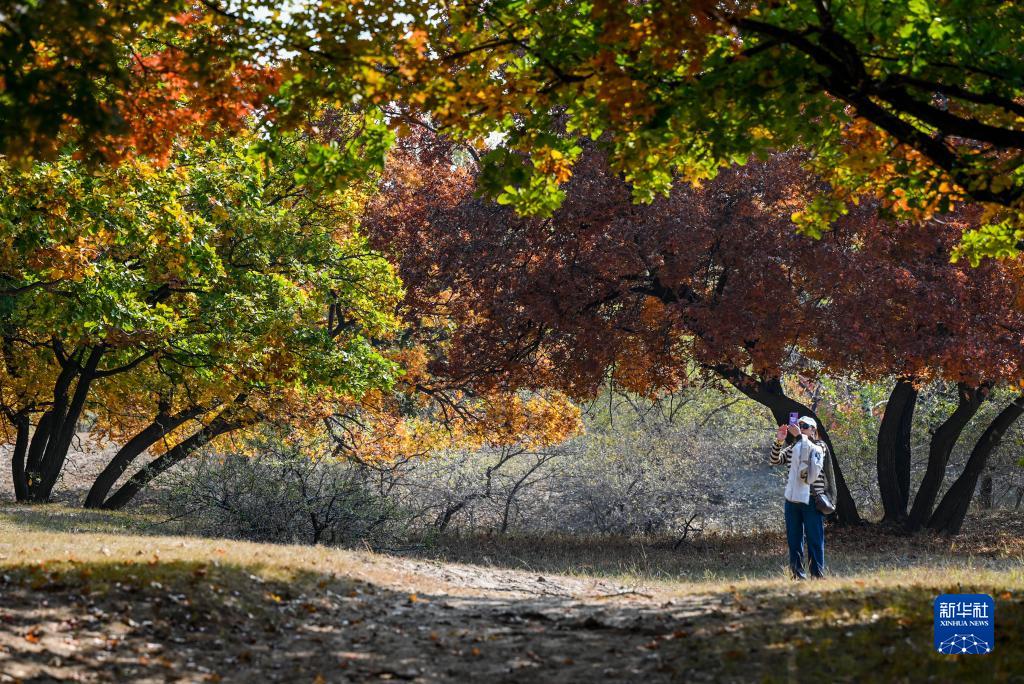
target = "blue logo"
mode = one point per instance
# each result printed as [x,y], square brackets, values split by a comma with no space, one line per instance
[965,624]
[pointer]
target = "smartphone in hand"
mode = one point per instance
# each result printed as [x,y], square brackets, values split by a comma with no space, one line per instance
[793,417]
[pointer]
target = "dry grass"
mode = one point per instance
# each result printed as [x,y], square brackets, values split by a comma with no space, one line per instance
[53,536]
[104,597]
[990,546]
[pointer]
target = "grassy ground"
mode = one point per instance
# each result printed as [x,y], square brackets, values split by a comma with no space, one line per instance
[994,543]
[109,597]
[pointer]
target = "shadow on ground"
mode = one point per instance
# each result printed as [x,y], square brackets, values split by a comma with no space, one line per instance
[178,621]
[61,518]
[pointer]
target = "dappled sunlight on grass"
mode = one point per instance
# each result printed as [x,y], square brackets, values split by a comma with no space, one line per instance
[83,594]
[60,518]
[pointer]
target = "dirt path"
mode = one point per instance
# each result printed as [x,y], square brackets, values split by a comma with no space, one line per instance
[436,622]
[77,604]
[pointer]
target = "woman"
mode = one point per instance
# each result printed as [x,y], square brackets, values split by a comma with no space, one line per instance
[809,475]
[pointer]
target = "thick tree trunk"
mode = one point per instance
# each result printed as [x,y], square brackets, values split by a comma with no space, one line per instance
[943,440]
[63,428]
[950,513]
[150,435]
[219,426]
[894,451]
[903,451]
[22,424]
[37,445]
[769,393]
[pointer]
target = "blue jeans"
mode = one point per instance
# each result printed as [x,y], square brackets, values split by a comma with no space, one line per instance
[804,518]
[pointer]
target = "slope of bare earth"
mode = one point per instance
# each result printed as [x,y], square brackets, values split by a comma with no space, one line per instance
[90,597]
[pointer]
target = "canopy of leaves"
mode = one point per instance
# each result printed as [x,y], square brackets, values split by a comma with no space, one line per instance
[193,285]
[705,278]
[109,78]
[916,103]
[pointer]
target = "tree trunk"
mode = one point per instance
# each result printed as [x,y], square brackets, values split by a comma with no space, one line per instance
[445,518]
[57,450]
[985,492]
[769,393]
[62,425]
[894,451]
[943,440]
[219,426]
[514,492]
[903,451]
[126,455]
[950,513]
[37,445]
[23,425]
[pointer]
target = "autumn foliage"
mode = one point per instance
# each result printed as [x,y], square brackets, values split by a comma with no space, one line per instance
[710,283]
[701,278]
[124,78]
[179,304]
[182,262]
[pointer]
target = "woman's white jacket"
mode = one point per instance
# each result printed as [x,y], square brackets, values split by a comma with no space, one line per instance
[805,465]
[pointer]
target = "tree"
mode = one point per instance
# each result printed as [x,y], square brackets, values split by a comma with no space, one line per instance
[702,282]
[176,306]
[652,293]
[916,104]
[902,309]
[122,78]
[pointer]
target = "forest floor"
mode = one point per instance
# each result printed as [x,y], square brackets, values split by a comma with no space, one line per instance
[103,597]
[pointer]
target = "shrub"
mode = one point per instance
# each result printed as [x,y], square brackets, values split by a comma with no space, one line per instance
[282,493]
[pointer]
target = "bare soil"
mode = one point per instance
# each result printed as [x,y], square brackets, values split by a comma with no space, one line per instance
[109,606]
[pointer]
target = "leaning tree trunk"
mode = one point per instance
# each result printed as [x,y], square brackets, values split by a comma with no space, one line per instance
[770,394]
[950,513]
[52,438]
[45,433]
[969,400]
[132,449]
[894,451]
[219,426]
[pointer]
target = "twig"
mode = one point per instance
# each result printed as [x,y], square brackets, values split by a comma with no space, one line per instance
[174,518]
[625,593]
[686,530]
